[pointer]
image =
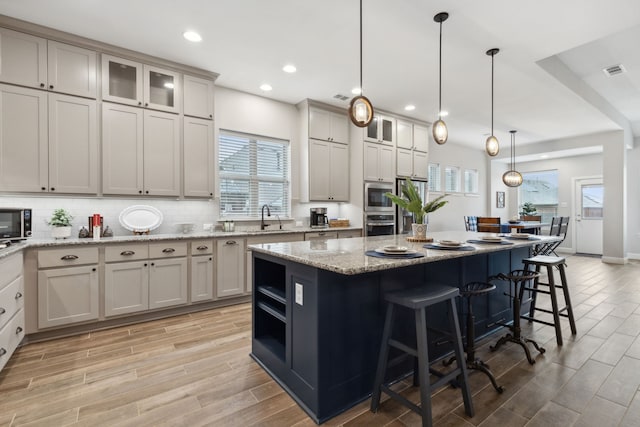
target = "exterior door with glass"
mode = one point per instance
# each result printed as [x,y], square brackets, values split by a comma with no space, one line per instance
[589,207]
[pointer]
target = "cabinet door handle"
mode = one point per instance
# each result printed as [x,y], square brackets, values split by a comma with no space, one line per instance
[2,310]
[69,257]
[139,103]
[50,86]
[41,84]
[127,253]
[2,352]
[321,234]
[18,296]
[202,248]
[231,242]
[153,264]
[210,258]
[18,330]
[168,251]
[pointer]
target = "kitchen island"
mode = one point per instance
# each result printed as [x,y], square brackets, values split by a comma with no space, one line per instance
[318,308]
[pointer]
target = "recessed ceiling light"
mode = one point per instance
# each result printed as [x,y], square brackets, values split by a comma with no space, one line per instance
[266,87]
[544,156]
[289,68]
[192,36]
[444,113]
[356,91]
[410,107]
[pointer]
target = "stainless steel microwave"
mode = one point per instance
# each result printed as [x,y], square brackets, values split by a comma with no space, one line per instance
[15,223]
[374,198]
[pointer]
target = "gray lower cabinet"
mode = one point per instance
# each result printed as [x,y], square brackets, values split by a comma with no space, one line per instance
[144,284]
[126,288]
[12,318]
[201,278]
[230,267]
[68,286]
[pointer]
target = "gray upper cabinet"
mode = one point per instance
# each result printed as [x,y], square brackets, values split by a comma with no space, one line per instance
[140,151]
[134,83]
[198,157]
[32,61]
[328,125]
[198,97]
[54,152]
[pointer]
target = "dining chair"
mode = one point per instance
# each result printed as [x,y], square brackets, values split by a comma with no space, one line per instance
[489,224]
[471,223]
[559,227]
[532,218]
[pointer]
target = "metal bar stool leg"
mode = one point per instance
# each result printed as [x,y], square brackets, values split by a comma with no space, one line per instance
[382,358]
[423,366]
[567,298]
[463,378]
[554,304]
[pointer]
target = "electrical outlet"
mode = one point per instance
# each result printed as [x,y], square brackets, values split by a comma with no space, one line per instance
[299,294]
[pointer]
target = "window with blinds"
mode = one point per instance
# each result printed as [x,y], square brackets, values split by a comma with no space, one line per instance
[253,171]
[451,179]
[471,181]
[434,177]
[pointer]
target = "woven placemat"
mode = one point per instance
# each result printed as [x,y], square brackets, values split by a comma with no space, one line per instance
[418,239]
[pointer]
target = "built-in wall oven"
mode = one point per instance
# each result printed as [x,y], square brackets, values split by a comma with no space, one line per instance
[379,212]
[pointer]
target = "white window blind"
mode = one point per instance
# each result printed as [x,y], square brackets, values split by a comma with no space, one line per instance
[471,181]
[434,177]
[253,171]
[451,179]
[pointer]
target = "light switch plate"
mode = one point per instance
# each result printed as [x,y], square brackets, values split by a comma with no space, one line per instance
[299,293]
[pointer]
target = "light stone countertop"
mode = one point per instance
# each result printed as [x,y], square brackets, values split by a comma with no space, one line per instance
[347,256]
[42,243]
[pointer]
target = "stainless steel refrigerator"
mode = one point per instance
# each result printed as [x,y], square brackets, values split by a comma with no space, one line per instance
[404,219]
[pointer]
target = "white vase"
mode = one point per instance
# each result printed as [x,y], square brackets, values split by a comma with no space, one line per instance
[419,230]
[60,232]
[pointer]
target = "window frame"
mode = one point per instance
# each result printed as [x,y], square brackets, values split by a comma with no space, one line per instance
[434,185]
[457,179]
[253,179]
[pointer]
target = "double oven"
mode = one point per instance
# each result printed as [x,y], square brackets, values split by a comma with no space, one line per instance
[379,211]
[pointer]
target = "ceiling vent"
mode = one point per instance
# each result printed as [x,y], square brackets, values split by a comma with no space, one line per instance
[341,97]
[615,70]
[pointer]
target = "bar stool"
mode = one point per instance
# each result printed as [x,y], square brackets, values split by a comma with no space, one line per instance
[418,300]
[519,278]
[468,291]
[550,262]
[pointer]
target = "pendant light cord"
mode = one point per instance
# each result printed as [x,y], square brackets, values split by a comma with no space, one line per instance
[439,76]
[361,91]
[492,94]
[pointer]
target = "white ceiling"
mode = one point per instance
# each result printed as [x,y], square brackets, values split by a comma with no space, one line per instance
[248,41]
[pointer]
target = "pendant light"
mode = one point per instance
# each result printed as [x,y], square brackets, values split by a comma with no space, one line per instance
[439,129]
[360,108]
[492,146]
[512,178]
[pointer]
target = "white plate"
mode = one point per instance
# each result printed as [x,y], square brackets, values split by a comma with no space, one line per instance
[140,218]
[395,249]
[520,235]
[450,243]
[441,246]
[386,252]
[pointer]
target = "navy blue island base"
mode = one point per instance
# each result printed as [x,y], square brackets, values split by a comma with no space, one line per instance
[317,332]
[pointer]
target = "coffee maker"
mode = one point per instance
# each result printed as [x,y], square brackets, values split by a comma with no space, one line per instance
[319,218]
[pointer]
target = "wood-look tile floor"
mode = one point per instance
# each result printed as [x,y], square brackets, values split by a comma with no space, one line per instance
[195,370]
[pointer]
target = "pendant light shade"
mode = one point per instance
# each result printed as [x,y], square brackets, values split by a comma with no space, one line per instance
[360,108]
[492,145]
[512,178]
[439,129]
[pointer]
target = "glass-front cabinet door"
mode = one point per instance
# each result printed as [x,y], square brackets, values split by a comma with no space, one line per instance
[161,89]
[132,83]
[121,80]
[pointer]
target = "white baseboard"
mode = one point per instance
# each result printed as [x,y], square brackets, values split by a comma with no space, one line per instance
[632,256]
[613,260]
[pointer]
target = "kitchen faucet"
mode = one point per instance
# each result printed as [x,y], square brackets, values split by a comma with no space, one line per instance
[262,224]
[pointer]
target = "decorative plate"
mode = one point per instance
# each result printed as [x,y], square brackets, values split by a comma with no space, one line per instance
[388,252]
[140,218]
[450,243]
[395,248]
[522,236]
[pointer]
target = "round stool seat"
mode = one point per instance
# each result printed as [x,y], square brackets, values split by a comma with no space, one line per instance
[520,275]
[476,288]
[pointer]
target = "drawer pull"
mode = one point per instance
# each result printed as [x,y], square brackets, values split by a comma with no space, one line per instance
[127,253]
[231,242]
[69,257]
[2,310]
[18,295]
[18,330]
[202,248]
[2,352]
[168,251]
